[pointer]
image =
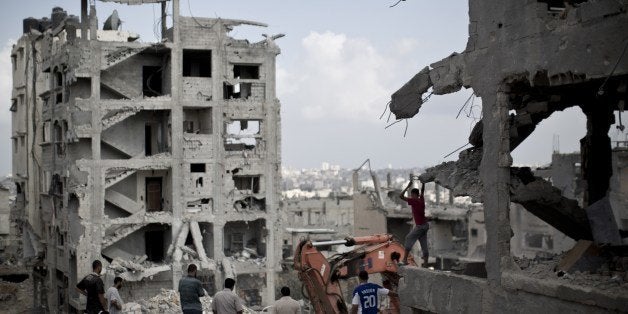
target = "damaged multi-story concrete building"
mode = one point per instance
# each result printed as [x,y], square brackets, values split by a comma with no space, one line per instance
[528,60]
[148,156]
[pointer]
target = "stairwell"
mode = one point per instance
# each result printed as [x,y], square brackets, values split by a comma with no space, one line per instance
[118,176]
[120,234]
[122,201]
[120,55]
[118,117]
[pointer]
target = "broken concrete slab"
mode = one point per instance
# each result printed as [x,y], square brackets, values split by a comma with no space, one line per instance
[603,223]
[447,74]
[584,256]
[406,102]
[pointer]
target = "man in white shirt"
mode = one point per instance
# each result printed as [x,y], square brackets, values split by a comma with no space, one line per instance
[286,305]
[227,302]
[114,301]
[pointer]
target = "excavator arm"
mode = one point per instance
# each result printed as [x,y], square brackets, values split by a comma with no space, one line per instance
[378,253]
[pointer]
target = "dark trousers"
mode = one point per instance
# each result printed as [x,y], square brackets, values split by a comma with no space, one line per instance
[192,312]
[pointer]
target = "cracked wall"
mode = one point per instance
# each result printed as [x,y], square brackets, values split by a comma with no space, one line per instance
[527,60]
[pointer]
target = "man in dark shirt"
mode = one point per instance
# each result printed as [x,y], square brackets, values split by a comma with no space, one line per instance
[93,287]
[190,289]
[419,231]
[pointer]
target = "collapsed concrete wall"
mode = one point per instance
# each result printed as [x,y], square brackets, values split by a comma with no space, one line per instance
[528,60]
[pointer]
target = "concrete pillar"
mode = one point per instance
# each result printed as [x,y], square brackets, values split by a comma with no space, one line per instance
[84,20]
[273,135]
[164,15]
[219,253]
[176,125]
[437,192]
[495,176]
[93,23]
[451,197]
[596,151]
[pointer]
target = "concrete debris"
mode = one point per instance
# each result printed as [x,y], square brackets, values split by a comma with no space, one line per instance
[612,282]
[536,194]
[524,59]
[461,176]
[134,271]
[168,302]
[16,296]
[603,225]
[584,256]
[447,75]
[406,102]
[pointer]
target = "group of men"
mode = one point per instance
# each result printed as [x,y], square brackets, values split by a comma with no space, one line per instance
[225,301]
[190,291]
[365,296]
[99,301]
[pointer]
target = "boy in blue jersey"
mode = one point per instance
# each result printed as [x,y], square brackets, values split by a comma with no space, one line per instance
[366,295]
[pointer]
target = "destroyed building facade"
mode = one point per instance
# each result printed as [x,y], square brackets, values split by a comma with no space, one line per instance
[148,156]
[528,60]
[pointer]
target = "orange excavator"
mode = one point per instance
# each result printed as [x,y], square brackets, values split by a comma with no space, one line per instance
[378,253]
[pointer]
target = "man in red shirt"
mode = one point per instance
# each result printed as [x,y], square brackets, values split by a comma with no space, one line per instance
[419,231]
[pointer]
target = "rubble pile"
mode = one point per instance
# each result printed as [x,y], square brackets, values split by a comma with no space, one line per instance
[136,269]
[167,302]
[611,281]
[16,297]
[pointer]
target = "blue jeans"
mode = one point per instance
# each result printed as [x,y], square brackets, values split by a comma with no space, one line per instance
[419,232]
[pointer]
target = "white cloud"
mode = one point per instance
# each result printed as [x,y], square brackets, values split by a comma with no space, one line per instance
[342,77]
[406,45]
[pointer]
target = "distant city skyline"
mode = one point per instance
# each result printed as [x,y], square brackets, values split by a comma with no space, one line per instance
[340,63]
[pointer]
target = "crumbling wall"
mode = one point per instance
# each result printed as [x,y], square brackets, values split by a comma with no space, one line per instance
[525,60]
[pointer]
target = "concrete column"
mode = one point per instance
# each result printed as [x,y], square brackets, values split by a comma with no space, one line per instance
[596,151]
[437,192]
[495,176]
[219,254]
[164,15]
[273,140]
[93,23]
[96,173]
[84,21]
[176,125]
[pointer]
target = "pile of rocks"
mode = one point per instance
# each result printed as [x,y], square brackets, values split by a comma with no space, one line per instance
[167,302]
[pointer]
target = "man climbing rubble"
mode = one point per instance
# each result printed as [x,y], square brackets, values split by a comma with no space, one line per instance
[94,289]
[419,231]
[190,290]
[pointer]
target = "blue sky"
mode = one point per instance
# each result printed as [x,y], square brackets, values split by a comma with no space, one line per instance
[340,62]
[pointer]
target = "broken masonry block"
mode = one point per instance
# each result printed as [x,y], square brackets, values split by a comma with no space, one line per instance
[584,256]
[602,221]
[406,102]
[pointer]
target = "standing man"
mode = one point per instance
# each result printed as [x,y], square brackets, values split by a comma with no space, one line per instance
[190,291]
[114,301]
[227,302]
[94,289]
[419,231]
[286,305]
[366,296]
